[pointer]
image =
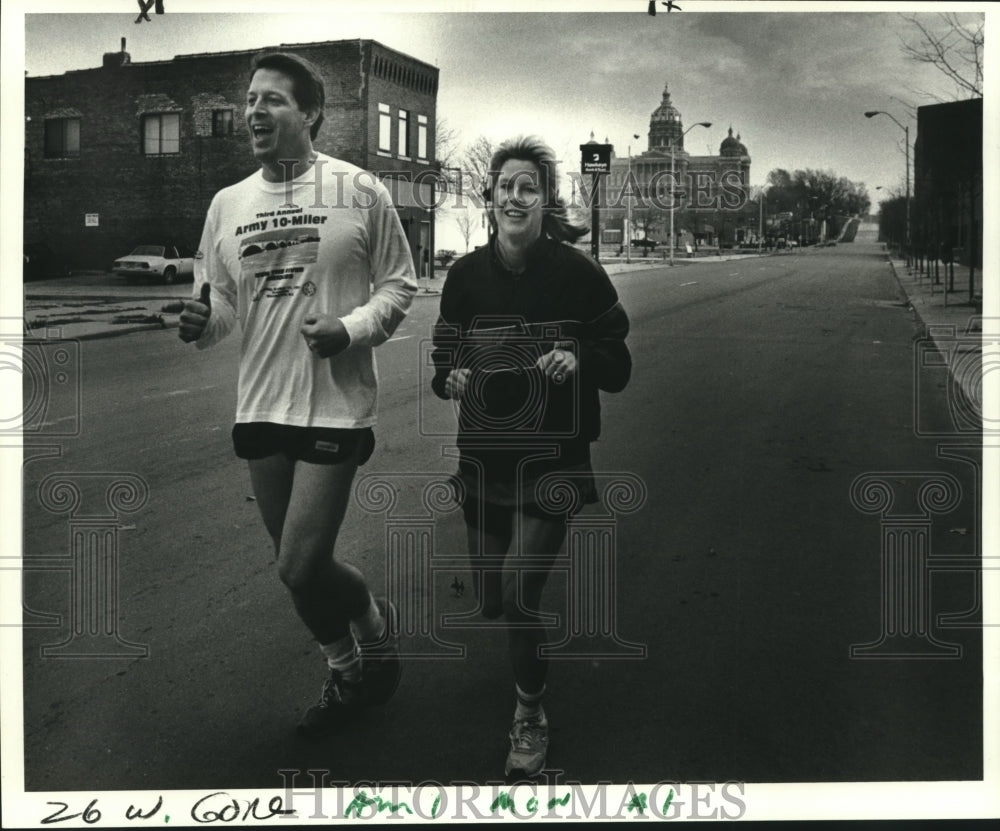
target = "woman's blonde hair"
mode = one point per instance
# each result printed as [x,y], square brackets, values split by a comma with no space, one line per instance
[555,216]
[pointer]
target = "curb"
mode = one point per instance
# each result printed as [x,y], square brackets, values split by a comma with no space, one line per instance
[110,332]
[944,336]
[902,289]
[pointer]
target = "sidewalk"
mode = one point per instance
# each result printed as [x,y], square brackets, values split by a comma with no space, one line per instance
[955,325]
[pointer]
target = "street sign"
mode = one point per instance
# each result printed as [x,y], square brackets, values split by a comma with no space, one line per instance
[91,220]
[595,158]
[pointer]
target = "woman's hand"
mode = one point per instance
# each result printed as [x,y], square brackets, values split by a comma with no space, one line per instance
[455,383]
[557,365]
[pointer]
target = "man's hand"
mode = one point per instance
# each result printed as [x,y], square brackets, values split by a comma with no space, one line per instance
[194,314]
[455,383]
[325,335]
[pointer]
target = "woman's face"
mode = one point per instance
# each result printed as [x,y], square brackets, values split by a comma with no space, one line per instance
[517,203]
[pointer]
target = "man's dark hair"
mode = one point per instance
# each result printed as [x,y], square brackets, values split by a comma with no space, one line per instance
[307,83]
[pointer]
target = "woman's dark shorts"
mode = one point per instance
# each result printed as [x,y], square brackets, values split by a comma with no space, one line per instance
[316,445]
[491,506]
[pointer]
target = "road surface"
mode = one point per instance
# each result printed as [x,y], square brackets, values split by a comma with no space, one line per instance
[762,389]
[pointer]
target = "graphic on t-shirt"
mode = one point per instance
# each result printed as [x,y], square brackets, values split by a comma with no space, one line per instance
[276,255]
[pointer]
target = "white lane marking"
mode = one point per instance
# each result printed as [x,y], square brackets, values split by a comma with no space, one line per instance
[692,283]
[401,337]
[172,393]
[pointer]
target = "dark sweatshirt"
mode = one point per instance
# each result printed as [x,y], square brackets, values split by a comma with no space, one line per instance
[498,324]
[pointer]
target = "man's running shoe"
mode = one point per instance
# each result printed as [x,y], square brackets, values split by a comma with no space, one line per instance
[380,664]
[529,742]
[338,703]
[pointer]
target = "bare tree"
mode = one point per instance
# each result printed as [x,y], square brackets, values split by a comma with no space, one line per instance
[476,160]
[466,226]
[446,140]
[954,47]
[649,220]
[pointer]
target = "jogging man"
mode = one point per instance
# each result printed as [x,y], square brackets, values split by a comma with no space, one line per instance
[310,257]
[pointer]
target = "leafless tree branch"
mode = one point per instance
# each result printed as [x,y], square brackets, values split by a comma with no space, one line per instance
[954,48]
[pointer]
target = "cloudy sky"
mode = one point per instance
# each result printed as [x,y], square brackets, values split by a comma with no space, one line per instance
[793,82]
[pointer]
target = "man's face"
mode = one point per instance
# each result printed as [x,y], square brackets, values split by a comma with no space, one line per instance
[278,128]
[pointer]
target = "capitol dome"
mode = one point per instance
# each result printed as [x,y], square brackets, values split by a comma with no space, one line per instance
[731,146]
[665,127]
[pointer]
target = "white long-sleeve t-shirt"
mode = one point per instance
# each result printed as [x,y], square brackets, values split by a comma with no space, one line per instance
[328,241]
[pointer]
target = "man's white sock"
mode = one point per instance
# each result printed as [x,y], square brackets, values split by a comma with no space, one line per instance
[343,658]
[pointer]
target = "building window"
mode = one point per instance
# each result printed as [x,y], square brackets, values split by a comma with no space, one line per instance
[384,128]
[62,138]
[222,122]
[161,134]
[421,136]
[404,133]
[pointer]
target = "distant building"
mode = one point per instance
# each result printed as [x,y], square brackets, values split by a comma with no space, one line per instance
[714,187]
[947,210]
[132,153]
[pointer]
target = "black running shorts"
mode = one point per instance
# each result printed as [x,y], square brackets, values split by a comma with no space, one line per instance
[316,445]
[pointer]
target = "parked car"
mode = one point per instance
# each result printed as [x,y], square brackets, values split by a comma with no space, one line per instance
[169,263]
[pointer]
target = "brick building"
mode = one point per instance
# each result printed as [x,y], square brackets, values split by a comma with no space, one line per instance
[947,211]
[713,187]
[132,153]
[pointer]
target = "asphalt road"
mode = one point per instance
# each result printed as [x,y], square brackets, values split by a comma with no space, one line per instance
[761,390]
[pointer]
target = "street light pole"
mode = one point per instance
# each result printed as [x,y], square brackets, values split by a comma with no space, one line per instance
[673,194]
[906,134]
[628,209]
[628,221]
[760,229]
[673,182]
